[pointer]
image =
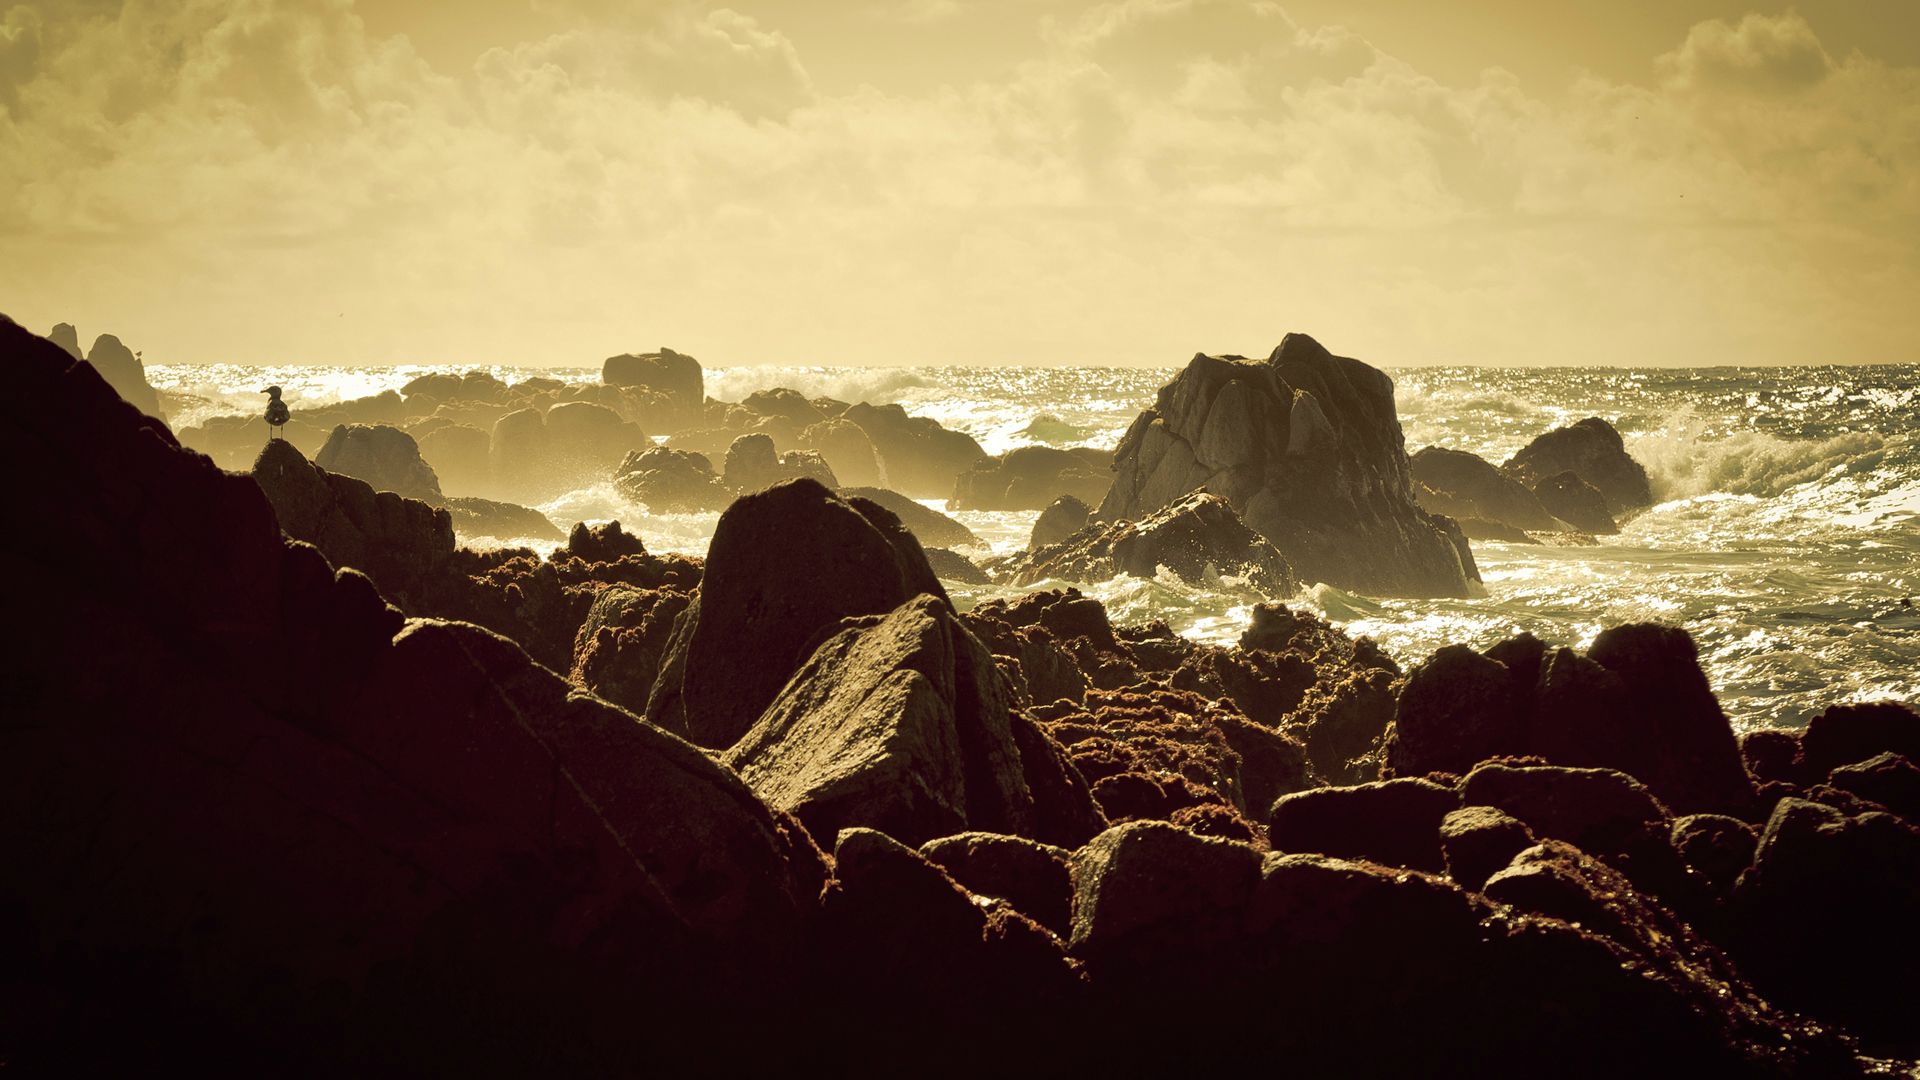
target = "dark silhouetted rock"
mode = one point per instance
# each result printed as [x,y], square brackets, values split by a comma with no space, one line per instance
[1463,486]
[1459,708]
[931,527]
[1773,755]
[1844,734]
[1029,875]
[68,338]
[384,457]
[1395,822]
[1198,538]
[1592,450]
[1150,895]
[1887,779]
[1479,841]
[1575,501]
[1715,847]
[953,566]
[123,371]
[918,457]
[622,641]
[1307,448]
[671,482]
[1030,477]
[1062,518]
[602,543]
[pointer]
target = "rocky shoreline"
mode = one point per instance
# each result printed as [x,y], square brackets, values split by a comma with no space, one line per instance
[294,782]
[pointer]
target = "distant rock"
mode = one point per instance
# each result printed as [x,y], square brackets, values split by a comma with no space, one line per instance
[847,450]
[752,465]
[65,336]
[1062,518]
[384,457]
[1198,539]
[931,527]
[671,482]
[1030,477]
[123,371]
[1464,487]
[501,520]
[458,455]
[602,543]
[1049,428]
[1576,502]
[676,376]
[1307,447]
[1592,450]
[952,566]
[919,457]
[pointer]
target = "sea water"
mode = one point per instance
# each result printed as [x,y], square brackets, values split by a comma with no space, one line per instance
[1786,535]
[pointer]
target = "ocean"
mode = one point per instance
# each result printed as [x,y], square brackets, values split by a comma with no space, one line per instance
[1786,535]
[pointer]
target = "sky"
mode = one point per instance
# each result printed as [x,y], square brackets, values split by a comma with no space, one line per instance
[946,182]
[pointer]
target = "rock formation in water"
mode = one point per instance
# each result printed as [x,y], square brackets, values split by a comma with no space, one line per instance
[920,458]
[1062,518]
[1487,503]
[669,481]
[1307,448]
[1030,477]
[1198,539]
[384,457]
[1576,502]
[753,465]
[1592,450]
[676,380]
[930,526]
[123,371]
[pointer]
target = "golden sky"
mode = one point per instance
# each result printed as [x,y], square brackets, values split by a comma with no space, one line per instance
[942,181]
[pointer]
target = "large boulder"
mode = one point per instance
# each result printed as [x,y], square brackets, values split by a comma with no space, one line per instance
[1465,487]
[785,566]
[384,457]
[668,481]
[1062,518]
[1844,734]
[1575,501]
[1395,822]
[918,456]
[1592,450]
[1307,447]
[1030,477]
[1197,538]
[459,455]
[752,465]
[1028,874]
[931,527]
[123,371]
[676,377]
[847,450]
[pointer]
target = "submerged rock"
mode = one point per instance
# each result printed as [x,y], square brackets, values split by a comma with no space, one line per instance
[1307,448]
[1593,451]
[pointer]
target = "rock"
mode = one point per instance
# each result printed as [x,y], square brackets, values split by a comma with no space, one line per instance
[385,457]
[847,450]
[919,457]
[1030,477]
[1031,876]
[1149,897]
[65,336]
[676,376]
[896,723]
[1844,734]
[1048,428]
[1715,847]
[784,567]
[1479,841]
[1307,448]
[1828,913]
[1459,708]
[789,405]
[622,641]
[1463,486]
[1592,450]
[1773,755]
[1161,739]
[931,527]
[953,566]
[1395,822]
[459,456]
[585,440]
[1599,810]
[1577,502]
[123,371]
[1887,779]
[1062,518]
[602,543]
[1198,539]
[506,521]
[752,465]
[671,482]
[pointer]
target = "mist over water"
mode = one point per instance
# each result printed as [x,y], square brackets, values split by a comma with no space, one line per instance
[1786,535]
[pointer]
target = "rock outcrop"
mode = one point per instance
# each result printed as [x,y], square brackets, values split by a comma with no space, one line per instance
[1030,477]
[669,481]
[1062,518]
[68,338]
[931,527]
[1576,502]
[123,371]
[385,457]
[676,378]
[1197,538]
[1480,497]
[753,465]
[1307,448]
[1592,450]
[920,458]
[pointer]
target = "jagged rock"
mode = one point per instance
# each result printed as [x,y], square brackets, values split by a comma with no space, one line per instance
[485,517]
[1395,822]
[931,527]
[1773,755]
[68,338]
[602,543]
[385,457]
[784,567]
[1463,486]
[1030,875]
[897,723]
[671,482]
[675,376]
[1459,708]
[847,450]
[1715,847]
[1829,912]
[1592,450]
[1844,734]
[1887,779]
[1479,841]
[1062,518]
[123,371]
[1307,448]
[953,566]
[1168,744]
[1575,501]
[790,405]
[1198,538]
[1030,477]
[753,465]
[918,456]
[622,641]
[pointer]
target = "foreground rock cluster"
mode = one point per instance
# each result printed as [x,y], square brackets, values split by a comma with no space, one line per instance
[265,808]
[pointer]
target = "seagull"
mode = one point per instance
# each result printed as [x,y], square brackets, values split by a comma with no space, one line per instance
[277,414]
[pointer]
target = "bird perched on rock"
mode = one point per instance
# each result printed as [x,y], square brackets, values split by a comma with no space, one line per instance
[277,414]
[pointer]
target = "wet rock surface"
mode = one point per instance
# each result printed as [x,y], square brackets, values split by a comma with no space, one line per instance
[1594,452]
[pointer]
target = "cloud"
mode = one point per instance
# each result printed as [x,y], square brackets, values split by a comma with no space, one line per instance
[1164,175]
